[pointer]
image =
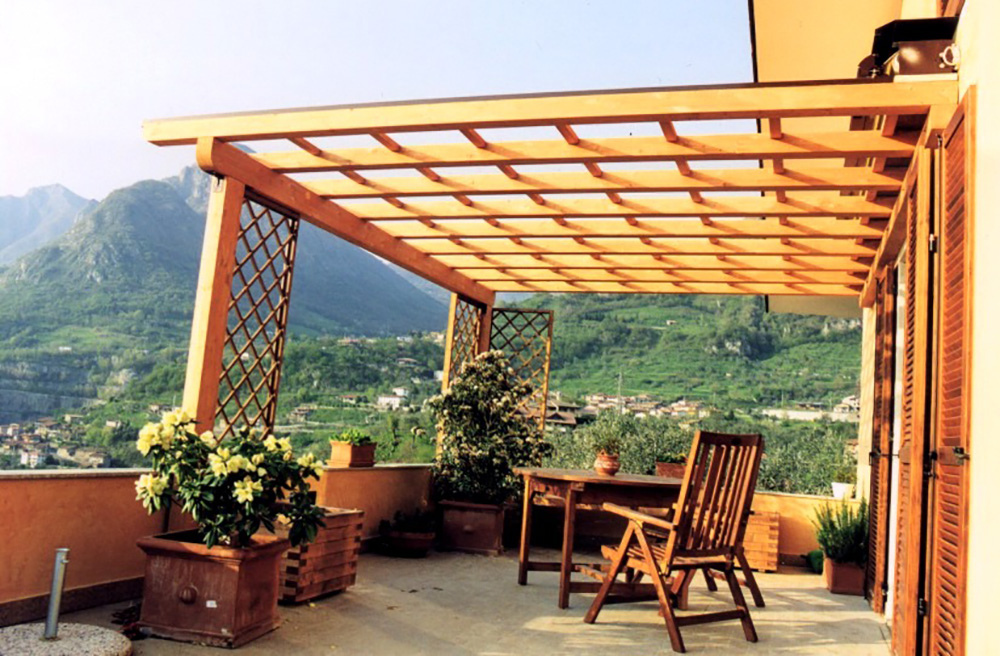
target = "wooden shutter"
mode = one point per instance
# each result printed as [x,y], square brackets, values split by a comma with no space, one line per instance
[881,453]
[949,498]
[910,506]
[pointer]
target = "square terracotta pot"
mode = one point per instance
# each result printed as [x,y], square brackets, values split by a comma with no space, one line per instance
[221,596]
[472,527]
[345,454]
[844,578]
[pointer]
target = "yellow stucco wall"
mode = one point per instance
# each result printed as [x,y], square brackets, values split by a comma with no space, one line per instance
[796,535]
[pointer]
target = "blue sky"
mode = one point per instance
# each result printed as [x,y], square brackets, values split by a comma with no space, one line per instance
[79,77]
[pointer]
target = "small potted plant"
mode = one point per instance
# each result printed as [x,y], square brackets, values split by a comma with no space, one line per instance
[354,448]
[671,465]
[218,584]
[409,535]
[844,477]
[608,447]
[842,534]
[483,436]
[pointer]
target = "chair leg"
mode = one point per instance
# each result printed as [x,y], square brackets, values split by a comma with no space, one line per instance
[664,595]
[680,588]
[709,580]
[741,605]
[621,557]
[758,598]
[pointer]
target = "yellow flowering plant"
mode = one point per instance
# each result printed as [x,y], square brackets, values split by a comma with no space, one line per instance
[230,486]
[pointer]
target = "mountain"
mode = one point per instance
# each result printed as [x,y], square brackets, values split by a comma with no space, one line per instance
[112,296]
[38,217]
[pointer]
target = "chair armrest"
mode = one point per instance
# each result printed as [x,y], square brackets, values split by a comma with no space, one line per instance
[640,518]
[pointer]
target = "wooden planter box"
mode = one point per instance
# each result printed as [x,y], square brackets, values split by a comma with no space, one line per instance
[760,543]
[471,527]
[345,454]
[328,565]
[671,470]
[223,596]
[844,578]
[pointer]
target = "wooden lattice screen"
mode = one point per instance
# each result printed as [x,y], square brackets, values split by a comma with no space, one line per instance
[258,317]
[525,337]
[463,341]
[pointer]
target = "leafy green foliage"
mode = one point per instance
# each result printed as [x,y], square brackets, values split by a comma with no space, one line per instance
[419,521]
[842,533]
[483,435]
[230,487]
[640,442]
[355,437]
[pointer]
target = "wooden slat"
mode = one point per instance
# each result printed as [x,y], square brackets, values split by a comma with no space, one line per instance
[802,178]
[837,98]
[807,145]
[224,159]
[667,246]
[845,206]
[798,228]
[674,262]
[677,288]
[664,275]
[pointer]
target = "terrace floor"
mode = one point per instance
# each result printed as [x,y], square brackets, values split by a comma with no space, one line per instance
[462,604]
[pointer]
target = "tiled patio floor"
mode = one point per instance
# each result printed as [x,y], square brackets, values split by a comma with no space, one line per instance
[460,604]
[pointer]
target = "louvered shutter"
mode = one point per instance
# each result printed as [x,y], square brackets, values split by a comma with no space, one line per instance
[881,460]
[909,527]
[949,500]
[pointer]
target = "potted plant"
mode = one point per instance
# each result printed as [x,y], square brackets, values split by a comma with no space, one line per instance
[483,436]
[608,447]
[671,465]
[844,477]
[354,448]
[409,535]
[842,534]
[218,584]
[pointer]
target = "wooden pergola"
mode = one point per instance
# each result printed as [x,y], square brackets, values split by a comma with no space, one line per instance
[452,191]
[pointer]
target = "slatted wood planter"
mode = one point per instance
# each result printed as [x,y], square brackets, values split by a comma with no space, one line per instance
[328,565]
[760,543]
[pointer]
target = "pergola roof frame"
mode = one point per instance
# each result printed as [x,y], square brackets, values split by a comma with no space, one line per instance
[816,229]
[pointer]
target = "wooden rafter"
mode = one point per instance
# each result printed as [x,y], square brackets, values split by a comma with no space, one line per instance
[675,212]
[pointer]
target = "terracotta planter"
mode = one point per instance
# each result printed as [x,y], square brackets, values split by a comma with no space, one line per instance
[407,544]
[671,469]
[471,527]
[844,578]
[221,596]
[345,454]
[606,465]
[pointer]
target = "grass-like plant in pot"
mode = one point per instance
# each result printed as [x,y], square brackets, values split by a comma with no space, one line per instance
[842,534]
[231,487]
[671,464]
[352,448]
[607,447]
[483,437]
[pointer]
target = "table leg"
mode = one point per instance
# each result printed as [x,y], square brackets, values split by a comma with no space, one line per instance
[567,549]
[522,569]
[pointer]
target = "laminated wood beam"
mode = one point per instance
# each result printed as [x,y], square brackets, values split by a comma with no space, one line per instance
[217,157]
[845,206]
[806,227]
[671,262]
[751,146]
[828,98]
[665,275]
[802,178]
[625,246]
[628,287]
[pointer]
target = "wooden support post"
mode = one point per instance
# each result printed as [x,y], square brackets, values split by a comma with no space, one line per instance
[485,328]
[211,305]
[449,343]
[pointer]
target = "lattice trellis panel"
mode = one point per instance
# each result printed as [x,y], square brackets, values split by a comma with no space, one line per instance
[258,317]
[463,336]
[525,337]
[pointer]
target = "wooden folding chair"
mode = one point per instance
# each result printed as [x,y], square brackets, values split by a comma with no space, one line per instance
[705,533]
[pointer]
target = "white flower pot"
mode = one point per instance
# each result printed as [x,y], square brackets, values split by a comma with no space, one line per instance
[843,490]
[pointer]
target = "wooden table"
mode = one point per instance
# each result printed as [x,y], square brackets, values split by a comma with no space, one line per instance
[577,487]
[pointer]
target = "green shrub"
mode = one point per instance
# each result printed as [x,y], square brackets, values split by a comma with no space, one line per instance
[355,436]
[483,434]
[641,441]
[842,533]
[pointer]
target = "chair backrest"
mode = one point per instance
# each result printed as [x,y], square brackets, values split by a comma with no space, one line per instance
[714,503]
